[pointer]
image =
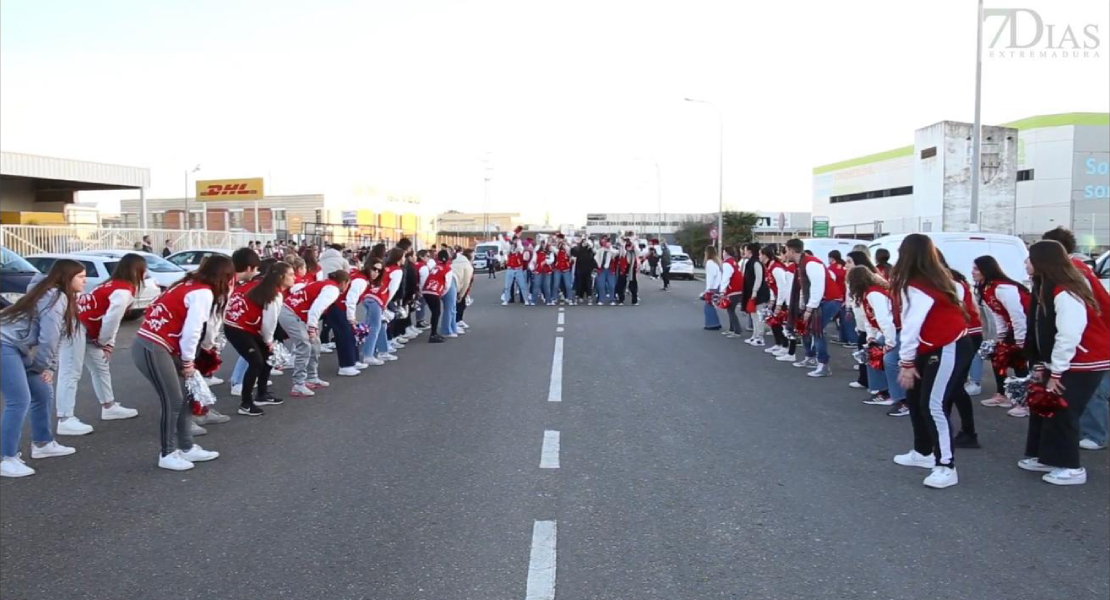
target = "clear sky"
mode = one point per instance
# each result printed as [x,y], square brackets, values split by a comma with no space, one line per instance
[573,101]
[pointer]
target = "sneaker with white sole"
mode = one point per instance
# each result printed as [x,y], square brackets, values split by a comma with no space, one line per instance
[361,365]
[973,389]
[1088,444]
[900,410]
[388,356]
[451,335]
[806,363]
[785,357]
[463,325]
[174,462]
[879,400]
[1066,476]
[213,380]
[372,361]
[462,331]
[349,372]
[758,343]
[269,399]
[326,350]
[773,350]
[50,450]
[117,412]
[1019,411]
[942,477]
[73,426]
[212,417]
[822,370]
[301,391]
[13,466]
[915,459]
[196,430]
[198,454]
[997,400]
[855,385]
[1033,464]
[251,410]
[316,383]
[277,372]
[237,389]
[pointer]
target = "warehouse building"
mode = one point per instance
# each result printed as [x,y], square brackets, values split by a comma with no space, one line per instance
[41,190]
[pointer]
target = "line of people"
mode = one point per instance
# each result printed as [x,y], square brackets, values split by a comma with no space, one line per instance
[918,327]
[55,330]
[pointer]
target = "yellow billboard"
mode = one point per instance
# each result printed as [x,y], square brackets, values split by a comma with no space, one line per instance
[230,189]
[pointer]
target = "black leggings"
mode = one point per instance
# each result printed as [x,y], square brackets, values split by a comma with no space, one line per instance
[254,351]
[434,305]
[1055,439]
[961,398]
[460,308]
[780,337]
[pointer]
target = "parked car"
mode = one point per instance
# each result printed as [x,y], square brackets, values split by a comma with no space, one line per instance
[682,266]
[961,250]
[1102,269]
[163,271]
[15,274]
[822,246]
[190,259]
[97,270]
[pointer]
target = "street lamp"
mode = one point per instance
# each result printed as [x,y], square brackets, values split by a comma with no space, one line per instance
[720,169]
[976,165]
[188,221]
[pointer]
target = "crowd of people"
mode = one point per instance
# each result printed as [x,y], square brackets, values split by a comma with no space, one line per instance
[924,333]
[276,311]
[588,271]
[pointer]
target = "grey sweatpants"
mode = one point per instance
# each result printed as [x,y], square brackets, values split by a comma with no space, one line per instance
[162,370]
[306,352]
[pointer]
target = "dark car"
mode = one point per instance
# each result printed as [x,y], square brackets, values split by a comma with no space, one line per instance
[15,274]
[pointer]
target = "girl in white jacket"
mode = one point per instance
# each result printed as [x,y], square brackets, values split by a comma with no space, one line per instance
[712,283]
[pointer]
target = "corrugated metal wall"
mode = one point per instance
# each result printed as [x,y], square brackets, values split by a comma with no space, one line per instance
[45,167]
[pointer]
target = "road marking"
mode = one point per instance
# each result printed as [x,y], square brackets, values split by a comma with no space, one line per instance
[555,392]
[541,564]
[559,330]
[562,319]
[561,309]
[549,454]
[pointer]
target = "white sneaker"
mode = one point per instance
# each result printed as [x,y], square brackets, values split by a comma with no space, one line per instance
[462,331]
[1034,464]
[942,477]
[212,417]
[174,462]
[806,363]
[388,357]
[914,459]
[13,466]
[1019,411]
[1066,476]
[997,400]
[329,345]
[451,335]
[237,389]
[349,372]
[361,365]
[822,370]
[504,303]
[301,391]
[277,372]
[316,383]
[973,389]
[397,343]
[196,430]
[326,350]
[117,412]
[373,361]
[73,426]
[51,450]
[856,385]
[758,343]
[785,357]
[211,381]
[463,325]
[1087,444]
[198,454]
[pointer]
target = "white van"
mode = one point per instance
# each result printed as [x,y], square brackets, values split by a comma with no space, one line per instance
[961,250]
[822,246]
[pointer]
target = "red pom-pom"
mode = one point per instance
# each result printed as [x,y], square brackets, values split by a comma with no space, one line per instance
[777,319]
[1044,403]
[207,362]
[197,408]
[801,327]
[723,302]
[875,357]
[1007,356]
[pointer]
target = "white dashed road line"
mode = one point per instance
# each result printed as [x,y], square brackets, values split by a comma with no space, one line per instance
[559,330]
[549,455]
[555,392]
[562,319]
[541,565]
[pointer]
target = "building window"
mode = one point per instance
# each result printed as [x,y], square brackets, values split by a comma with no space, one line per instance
[928,153]
[158,220]
[1025,175]
[235,219]
[278,216]
[898,191]
[196,219]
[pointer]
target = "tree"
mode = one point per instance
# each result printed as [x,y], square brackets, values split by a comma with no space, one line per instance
[693,236]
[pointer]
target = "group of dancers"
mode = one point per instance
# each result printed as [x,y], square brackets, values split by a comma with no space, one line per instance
[264,308]
[918,326]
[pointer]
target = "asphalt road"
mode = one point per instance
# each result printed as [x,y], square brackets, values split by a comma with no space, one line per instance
[690,466]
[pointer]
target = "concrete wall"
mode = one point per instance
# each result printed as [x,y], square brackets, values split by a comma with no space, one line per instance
[17,195]
[859,215]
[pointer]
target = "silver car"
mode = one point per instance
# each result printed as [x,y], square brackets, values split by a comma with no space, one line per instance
[97,270]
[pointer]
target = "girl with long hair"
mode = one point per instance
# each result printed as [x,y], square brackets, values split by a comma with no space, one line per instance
[935,354]
[778,281]
[732,288]
[712,285]
[858,258]
[1007,301]
[756,294]
[868,290]
[312,264]
[251,320]
[1069,348]
[438,280]
[182,320]
[99,314]
[882,263]
[845,324]
[32,330]
[300,317]
[385,280]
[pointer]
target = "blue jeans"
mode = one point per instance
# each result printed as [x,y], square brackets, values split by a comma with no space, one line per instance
[819,346]
[513,276]
[711,318]
[876,379]
[562,281]
[976,374]
[447,321]
[541,285]
[605,286]
[238,372]
[376,342]
[1093,422]
[848,333]
[891,367]
[22,391]
[342,335]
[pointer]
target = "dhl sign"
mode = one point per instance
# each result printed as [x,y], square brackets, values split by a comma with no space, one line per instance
[230,189]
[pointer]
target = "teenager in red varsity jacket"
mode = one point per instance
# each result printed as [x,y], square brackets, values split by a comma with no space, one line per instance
[606,282]
[167,343]
[731,287]
[871,293]
[438,280]
[778,281]
[815,302]
[385,279]
[1007,301]
[541,268]
[628,272]
[300,318]
[1069,348]
[935,354]
[755,292]
[250,321]
[99,314]
[838,272]
[514,272]
[967,437]
[563,279]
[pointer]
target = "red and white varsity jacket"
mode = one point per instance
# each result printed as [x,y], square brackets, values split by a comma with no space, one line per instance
[541,263]
[1082,336]
[974,324]
[357,290]
[1008,304]
[310,301]
[881,317]
[243,314]
[821,284]
[930,321]
[176,318]
[732,278]
[562,260]
[436,282]
[102,310]
[388,286]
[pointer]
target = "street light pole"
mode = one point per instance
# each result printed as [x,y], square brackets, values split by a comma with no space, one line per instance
[976,175]
[659,199]
[188,221]
[720,170]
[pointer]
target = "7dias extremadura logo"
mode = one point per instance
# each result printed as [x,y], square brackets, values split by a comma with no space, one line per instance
[1023,33]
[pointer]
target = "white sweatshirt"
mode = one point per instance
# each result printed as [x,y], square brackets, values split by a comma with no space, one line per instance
[758,278]
[1008,296]
[118,302]
[270,318]
[712,276]
[884,315]
[198,306]
[354,292]
[327,296]
[815,272]
[915,307]
[394,284]
[726,276]
[784,280]
[1071,322]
